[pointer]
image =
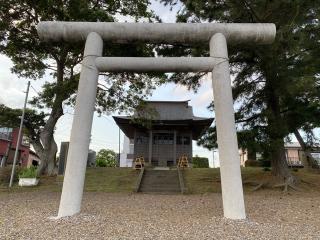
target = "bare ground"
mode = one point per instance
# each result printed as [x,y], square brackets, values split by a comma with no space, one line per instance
[271,215]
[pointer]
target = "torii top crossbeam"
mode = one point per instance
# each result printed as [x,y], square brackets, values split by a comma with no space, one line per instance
[258,33]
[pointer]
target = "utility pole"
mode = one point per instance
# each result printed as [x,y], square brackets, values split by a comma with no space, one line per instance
[19,136]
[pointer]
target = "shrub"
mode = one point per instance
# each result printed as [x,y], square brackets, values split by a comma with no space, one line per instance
[200,162]
[30,172]
[106,158]
[266,169]
[101,163]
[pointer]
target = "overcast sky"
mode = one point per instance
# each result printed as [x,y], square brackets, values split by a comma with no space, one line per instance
[104,129]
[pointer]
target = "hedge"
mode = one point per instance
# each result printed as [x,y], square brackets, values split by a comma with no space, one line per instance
[200,162]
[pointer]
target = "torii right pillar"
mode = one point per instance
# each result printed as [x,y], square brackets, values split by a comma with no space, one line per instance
[231,182]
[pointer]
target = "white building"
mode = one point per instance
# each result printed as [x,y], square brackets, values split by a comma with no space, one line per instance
[214,162]
[126,156]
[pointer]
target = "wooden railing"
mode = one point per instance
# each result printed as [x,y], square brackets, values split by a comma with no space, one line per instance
[181,180]
[139,179]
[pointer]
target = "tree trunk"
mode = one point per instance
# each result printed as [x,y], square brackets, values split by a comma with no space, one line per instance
[277,131]
[279,165]
[45,146]
[277,152]
[278,160]
[47,154]
[309,161]
[48,149]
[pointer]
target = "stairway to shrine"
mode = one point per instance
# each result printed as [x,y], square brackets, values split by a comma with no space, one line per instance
[160,181]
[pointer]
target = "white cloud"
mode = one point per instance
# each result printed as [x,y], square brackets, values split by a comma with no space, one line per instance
[203,99]
[164,12]
[11,87]
[204,96]
[181,91]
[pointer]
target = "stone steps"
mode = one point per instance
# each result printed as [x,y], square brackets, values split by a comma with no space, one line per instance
[160,181]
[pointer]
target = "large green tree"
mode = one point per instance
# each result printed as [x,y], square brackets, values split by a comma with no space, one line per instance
[276,87]
[32,59]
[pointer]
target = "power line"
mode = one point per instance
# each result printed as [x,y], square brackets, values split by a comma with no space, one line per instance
[34,90]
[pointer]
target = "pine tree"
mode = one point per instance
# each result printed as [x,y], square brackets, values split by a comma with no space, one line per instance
[276,87]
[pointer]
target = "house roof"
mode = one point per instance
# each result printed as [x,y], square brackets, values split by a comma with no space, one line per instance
[166,110]
[292,145]
[164,114]
[297,145]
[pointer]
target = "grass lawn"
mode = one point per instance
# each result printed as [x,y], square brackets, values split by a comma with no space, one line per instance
[197,180]
[203,180]
[97,179]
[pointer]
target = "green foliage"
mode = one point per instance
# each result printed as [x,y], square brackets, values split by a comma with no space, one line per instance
[30,172]
[101,163]
[200,162]
[33,121]
[106,158]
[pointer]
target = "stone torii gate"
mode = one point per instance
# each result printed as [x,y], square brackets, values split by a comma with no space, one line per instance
[216,35]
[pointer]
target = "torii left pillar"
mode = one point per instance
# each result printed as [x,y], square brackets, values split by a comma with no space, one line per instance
[73,183]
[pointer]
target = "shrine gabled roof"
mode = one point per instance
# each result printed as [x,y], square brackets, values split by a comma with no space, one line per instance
[165,110]
[165,114]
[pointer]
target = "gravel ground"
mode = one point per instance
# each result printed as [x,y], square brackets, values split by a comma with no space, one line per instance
[271,215]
